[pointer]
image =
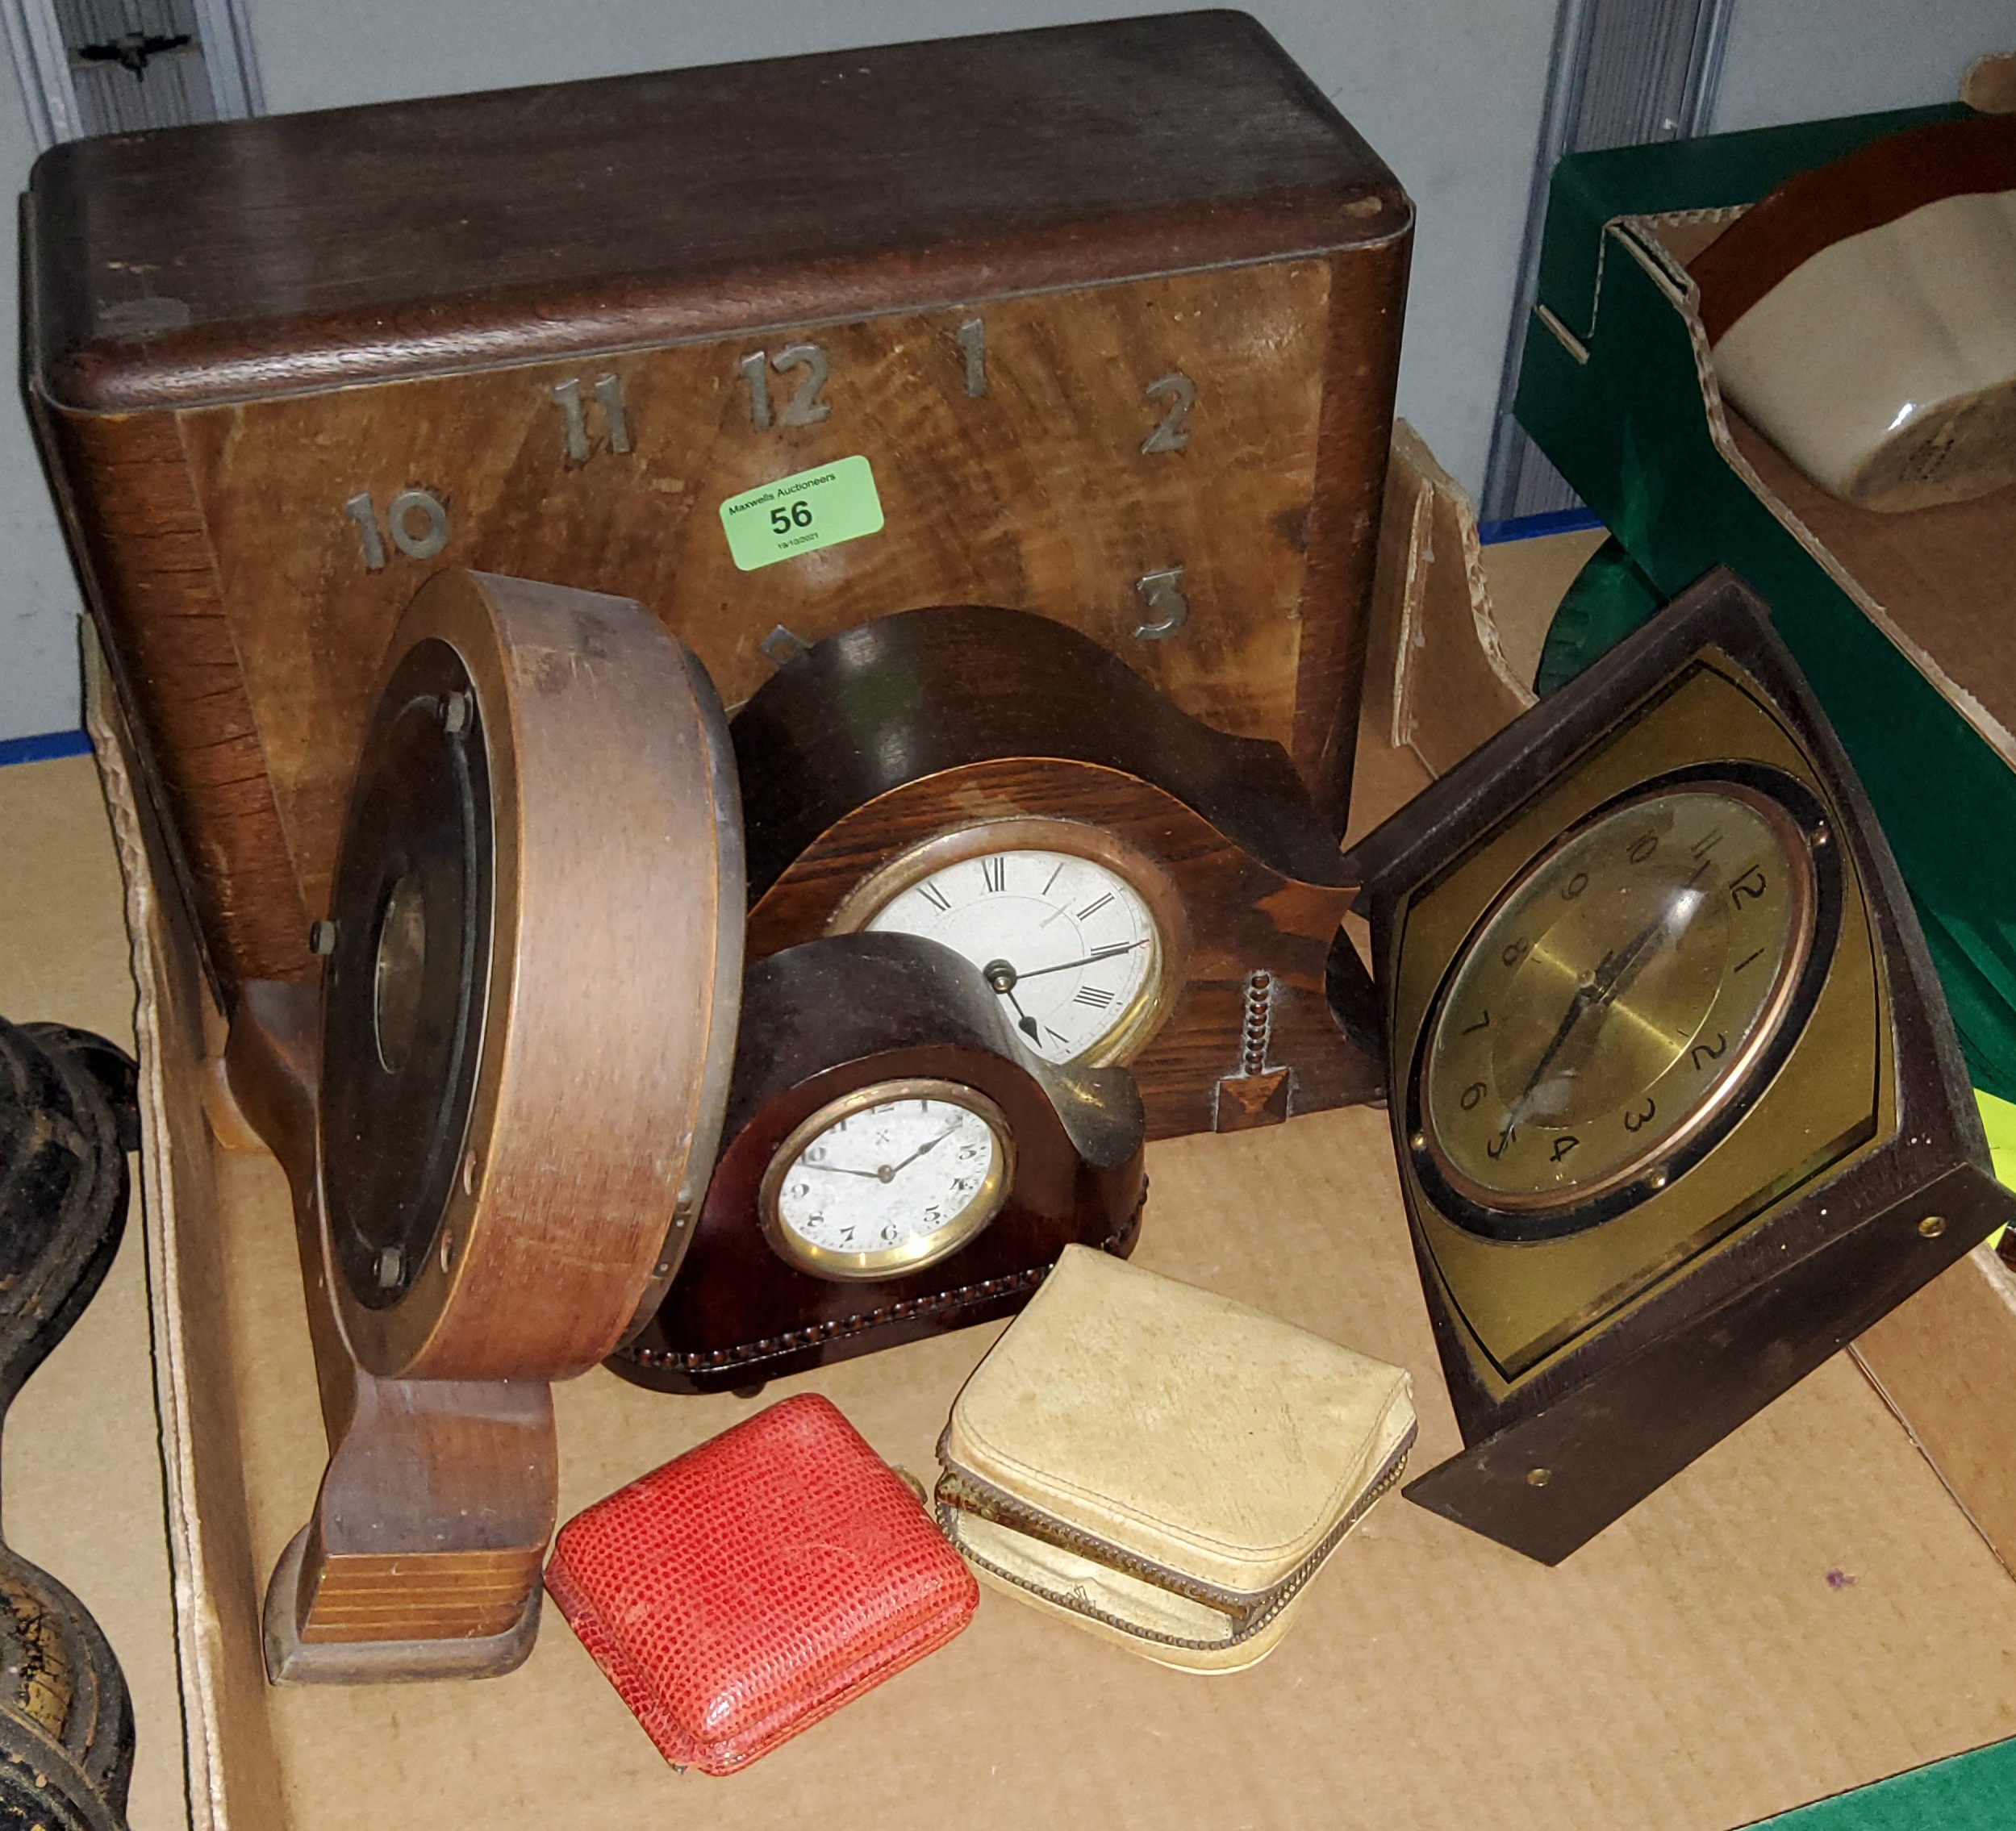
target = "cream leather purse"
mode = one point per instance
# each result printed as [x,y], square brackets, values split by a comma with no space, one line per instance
[1162,1466]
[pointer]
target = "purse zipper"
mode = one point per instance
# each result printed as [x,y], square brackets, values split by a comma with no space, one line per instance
[960,1492]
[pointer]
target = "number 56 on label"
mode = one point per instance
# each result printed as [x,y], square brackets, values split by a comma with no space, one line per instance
[799,515]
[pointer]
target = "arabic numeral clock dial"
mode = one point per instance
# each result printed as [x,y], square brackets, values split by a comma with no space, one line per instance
[890,1179]
[1620,1004]
[1068,942]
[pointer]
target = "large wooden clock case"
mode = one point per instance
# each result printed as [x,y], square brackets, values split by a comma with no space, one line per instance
[1112,311]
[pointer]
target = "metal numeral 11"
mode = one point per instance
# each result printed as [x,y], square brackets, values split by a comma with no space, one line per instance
[608,393]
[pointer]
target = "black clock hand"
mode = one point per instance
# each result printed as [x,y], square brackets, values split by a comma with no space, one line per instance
[931,1145]
[841,1170]
[1023,1021]
[1613,972]
[1103,953]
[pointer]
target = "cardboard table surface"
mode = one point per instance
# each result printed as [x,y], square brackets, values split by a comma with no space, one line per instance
[1803,1610]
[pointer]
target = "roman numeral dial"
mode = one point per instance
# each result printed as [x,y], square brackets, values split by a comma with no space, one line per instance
[1068,944]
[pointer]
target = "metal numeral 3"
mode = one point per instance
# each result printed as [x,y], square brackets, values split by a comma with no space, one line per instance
[1161,594]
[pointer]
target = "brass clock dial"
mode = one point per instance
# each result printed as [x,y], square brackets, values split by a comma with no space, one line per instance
[1616,1006]
[889,1179]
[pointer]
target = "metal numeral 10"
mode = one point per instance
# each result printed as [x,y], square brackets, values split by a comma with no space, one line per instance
[416,521]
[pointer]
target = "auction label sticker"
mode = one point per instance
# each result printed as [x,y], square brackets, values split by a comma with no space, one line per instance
[799,515]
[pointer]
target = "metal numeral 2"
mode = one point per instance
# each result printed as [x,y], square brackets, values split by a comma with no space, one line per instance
[399,524]
[804,408]
[1173,433]
[609,398]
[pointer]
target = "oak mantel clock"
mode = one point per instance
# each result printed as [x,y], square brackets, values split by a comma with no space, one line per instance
[1677,1109]
[1101,322]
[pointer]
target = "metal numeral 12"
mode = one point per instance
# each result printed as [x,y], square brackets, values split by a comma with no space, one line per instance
[804,408]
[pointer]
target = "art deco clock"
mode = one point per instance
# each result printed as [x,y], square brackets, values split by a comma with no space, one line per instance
[1101,321]
[1678,1108]
[1133,886]
[500,1114]
[894,1164]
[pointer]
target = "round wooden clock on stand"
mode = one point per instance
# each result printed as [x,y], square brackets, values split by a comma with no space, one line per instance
[499,1112]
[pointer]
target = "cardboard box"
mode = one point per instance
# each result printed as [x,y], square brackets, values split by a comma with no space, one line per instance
[1803,1610]
[1901,622]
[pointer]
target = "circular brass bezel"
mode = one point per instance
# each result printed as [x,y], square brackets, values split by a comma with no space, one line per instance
[914,1254]
[1794,845]
[1150,1007]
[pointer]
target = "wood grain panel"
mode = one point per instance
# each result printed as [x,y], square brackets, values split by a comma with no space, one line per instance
[1036,494]
[147,559]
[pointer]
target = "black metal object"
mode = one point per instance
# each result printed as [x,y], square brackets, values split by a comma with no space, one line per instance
[67,1108]
[407,983]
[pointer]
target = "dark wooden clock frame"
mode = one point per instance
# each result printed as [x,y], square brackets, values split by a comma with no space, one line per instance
[935,722]
[820,1021]
[1557,1453]
[1112,311]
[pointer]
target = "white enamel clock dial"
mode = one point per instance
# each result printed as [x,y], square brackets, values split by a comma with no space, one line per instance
[1067,944]
[887,1179]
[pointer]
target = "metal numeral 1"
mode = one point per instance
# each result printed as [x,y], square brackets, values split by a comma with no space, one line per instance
[359,510]
[1173,433]
[972,341]
[609,398]
[753,371]
[1168,610]
[399,526]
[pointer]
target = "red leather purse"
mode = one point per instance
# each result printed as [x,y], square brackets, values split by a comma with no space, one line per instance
[756,1584]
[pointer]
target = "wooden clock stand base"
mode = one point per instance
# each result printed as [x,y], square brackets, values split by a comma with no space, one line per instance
[422,1557]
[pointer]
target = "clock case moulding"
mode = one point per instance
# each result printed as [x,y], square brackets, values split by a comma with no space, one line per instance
[1566,1446]
[493,1203]
[968,719]
[820,1021]
[516,330]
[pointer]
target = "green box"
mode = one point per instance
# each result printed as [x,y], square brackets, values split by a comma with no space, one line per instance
[1609,391]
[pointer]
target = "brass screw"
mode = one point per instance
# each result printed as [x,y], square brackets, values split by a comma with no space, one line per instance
[1538,1478]
[1932,1226]
[1418,1142]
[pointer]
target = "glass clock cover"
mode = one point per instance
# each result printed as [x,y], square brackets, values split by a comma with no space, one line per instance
[1610,1008]
[887,1179]
[1066,942]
